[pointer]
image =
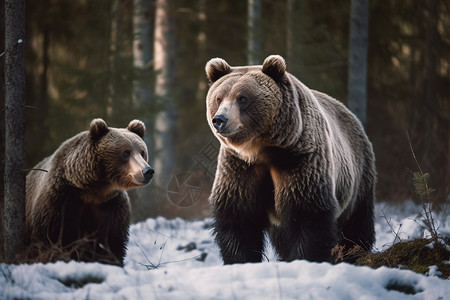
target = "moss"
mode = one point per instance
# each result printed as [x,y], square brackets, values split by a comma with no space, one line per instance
[415,255]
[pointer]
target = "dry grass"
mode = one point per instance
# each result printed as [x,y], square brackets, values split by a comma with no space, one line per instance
[340,254]
[417,255]
[79,250]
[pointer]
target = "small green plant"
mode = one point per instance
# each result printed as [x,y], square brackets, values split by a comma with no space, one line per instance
[420,182]
[421,187]
[418,254]
[425,192]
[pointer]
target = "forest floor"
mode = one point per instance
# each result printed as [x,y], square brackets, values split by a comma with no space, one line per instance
[177,259]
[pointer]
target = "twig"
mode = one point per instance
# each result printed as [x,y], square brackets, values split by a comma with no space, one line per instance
[181,260]
[152,266]
[37,169]
[146,257]
[33,107]
[396,234]
[412,152]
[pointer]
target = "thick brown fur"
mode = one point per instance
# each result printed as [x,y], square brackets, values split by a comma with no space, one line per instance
[294,162]
[77,196]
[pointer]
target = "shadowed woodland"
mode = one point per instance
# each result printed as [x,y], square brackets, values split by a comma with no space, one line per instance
[122,60]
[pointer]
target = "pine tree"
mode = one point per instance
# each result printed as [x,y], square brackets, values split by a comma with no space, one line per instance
[14,177]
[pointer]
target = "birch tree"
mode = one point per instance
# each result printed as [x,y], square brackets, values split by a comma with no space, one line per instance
[163,62]
[357,61]
[14,176]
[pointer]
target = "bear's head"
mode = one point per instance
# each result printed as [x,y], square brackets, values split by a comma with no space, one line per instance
[243,102]
[121,154]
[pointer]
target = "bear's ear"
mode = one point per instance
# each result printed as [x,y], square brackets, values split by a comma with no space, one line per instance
[98,129]
[274,66]
[137,127]
[216,68]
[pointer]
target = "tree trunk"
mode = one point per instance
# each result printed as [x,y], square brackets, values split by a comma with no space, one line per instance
[202,45]
[14,177]
[434,111]
[289,31]
[254,32]
[357,61]
[112,59]
[142,53]
[2,123]
[142,85]
[163,136]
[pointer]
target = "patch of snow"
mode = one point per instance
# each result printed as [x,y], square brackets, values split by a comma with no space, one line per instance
[430,245]
[433,271]
[178,259]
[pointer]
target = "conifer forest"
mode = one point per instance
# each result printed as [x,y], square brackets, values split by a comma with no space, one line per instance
[132,59]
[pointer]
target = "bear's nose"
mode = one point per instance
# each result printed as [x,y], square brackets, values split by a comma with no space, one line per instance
[148,173]
[219,122]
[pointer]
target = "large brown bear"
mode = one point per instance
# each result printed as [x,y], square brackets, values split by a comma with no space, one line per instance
[293,162]
[77,199]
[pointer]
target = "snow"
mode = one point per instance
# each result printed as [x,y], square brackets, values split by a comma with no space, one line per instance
[166,260]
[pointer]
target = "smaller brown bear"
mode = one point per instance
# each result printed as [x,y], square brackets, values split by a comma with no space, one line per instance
[77,199]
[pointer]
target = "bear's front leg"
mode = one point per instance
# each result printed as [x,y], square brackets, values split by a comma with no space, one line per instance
[239,197]
[113,230]
[239,236]
[307,227]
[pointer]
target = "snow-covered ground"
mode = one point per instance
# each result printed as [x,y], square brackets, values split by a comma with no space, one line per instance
[177,259]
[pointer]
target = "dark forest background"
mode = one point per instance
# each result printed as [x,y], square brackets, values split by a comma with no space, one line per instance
[82,63]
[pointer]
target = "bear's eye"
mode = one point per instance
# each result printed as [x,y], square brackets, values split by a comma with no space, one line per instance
[219,100]
[126,154]
[242,99]
[143,154]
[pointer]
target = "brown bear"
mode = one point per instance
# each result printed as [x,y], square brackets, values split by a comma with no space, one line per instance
[293,162]
[77,199]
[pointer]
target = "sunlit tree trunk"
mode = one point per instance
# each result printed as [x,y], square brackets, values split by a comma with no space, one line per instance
[14,176]
[201,41]
[357,61]
[254,32]
[142,68]
[165,120]
[142,54]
